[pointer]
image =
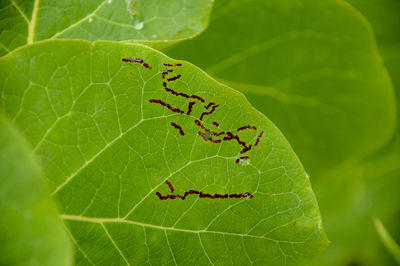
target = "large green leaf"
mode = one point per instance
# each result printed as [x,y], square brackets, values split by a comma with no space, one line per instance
[30,231]
[350,197]
[355,194]
[383,15]
[108,147]
[155,21]
[311,66]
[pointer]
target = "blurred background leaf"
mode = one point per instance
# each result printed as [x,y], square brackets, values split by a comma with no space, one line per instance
[370,188]
[347,131]
[311,66]
[350,197]
[155,21]
[30,231]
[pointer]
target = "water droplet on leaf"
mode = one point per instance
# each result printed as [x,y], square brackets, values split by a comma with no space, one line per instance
[138,24]
[244,162]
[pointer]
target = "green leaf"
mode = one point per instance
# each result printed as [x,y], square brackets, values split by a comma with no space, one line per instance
[30,231]
[350,197]
[154,21]
[107,148]
[311,66]
[387,240]
[383,15]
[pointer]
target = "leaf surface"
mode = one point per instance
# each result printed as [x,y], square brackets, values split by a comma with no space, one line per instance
[385,21]
[110,134]
[154,21]
[30,231]
[352,196]
[311,66]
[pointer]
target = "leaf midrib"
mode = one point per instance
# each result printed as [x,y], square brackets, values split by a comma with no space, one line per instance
[164,228]
[32,22]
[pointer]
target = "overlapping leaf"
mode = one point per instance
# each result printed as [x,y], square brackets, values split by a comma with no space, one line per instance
[155,21]
[30,231]
[350,197]
[111,131]
[311,66]
[367,188]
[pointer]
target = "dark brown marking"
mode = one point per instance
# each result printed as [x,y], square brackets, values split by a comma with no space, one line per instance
[258,138]
[173,109]
[201,194]
[228,136]
[179,128]
[243,158]
[174,78]
[246,149]
[198,98]
[246,127]
[208,113]
[172,65]
[294,224]
[147,66]
[181,93]
[174,92]
[190,108]
[209,105]
[203,135]
[171,187]
[3,99]
[166,73]
[132,60]
[136,60]
[198,123]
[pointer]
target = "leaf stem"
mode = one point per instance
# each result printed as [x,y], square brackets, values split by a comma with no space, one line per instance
[387,240]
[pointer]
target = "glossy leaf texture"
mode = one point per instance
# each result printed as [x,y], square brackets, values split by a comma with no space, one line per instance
[31,232]
[311,66]
[112,123]
[154,21]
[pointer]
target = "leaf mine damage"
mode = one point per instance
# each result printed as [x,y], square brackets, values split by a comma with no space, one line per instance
[207,134]
[136,60]
[179,128]
[201,194]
